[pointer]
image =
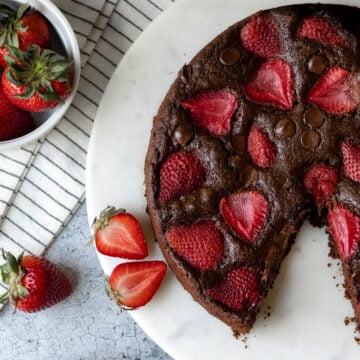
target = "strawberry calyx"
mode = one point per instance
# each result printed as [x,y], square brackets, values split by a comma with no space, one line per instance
[11,24]
[115,296]
[12,274]
[102,221]
[35,69]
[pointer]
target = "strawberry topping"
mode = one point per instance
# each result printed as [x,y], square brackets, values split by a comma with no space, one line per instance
[200,244]
[212,110]
[336,92]
[351,160]
[245,213]
[133,284]
[261,150]
[261,36]
[273,85]
[239,290]
[344,227]
[321,180]
[180,174]
[318,29]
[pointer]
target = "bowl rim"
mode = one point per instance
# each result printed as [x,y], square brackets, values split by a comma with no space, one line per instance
[47,7]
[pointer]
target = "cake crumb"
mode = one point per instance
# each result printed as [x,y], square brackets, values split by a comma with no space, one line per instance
[329,264]
[347,321]
[357,340]
[244,340]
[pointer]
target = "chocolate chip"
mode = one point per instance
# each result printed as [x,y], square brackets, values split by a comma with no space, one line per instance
[183,134]
[285,128]
[238,142]
[310,139]
[313,117]
[317,64]
[230,56]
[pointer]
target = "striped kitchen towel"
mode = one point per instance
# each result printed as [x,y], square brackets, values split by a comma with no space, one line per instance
[42,183]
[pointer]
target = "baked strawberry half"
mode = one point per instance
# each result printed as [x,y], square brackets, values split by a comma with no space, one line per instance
[321,180]
[245,213]
[351,160]
[261,36]
[239,290]
[344,227]
[319,29]
[200,244]
[181,173]
[261,150]
[119,234]
[336,92]
[134,284]
[273,85]
[212,110]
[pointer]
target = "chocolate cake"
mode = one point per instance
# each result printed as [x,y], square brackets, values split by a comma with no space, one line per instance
[259,132]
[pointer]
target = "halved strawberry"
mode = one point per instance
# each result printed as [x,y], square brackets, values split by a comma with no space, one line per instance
[245,213]
[180,174]
[344,227]
[212,110]
[351,160]
[239,291]
[261,150]
[119,234]
[261,36]
[319,29]
[336,92]
[321,180]
[133,284]
[200,244]
[273,85]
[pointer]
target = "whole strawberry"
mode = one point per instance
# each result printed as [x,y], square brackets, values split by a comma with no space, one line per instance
[14,122]
[22,28]
[36,80]
[34,282]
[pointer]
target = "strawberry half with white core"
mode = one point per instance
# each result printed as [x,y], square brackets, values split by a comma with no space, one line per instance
[336,92]
[22,28]
[245,213]
[34,282]
[273,85]
[119,234]
[133,284]
[212,110]
[36,80]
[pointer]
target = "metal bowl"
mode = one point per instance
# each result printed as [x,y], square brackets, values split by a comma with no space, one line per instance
[63,41]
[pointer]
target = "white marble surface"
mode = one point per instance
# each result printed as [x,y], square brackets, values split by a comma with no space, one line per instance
[85,325]
[306,285]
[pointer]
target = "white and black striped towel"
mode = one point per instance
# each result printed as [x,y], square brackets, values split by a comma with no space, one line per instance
[42,184]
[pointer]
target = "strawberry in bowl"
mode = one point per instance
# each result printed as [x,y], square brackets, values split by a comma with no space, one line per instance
[29,37]
[36,80]
[22,28]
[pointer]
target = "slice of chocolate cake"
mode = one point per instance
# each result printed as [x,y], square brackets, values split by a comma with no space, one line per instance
[259,132]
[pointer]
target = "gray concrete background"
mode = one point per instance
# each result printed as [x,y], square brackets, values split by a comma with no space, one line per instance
[85,325]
